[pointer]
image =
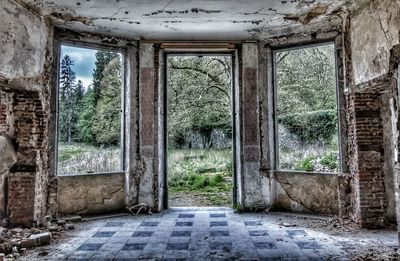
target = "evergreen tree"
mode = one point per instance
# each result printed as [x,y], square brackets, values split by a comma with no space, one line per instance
[86,117]
[79,93]
[103,58]
[107,123]
[66,100]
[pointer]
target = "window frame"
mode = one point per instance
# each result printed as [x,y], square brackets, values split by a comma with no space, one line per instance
[94,46]
[278,49]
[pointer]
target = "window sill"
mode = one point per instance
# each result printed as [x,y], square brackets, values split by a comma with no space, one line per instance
[91,174]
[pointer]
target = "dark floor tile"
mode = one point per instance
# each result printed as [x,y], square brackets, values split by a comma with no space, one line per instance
[252,223]
[220,233]
[177,246]
[149,224]
[308,245]
[134,246]
[264,245]
[258,233]
[114,224]
[143,234]
[220,246]
[217,215]
[104,234]
[181,233]
[218,223]
[90,247]
[183,224]
[296,232]
[186,216]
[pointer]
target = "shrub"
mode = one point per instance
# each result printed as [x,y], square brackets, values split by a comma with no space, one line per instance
[304,164]
[311,126]
[330,160]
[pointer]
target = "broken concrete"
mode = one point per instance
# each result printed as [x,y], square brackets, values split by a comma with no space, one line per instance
[90,194]
[307,192]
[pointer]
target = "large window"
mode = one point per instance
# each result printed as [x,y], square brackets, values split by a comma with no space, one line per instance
[306,109]
[89,111]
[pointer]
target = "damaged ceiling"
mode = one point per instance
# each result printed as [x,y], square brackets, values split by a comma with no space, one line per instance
[192,20]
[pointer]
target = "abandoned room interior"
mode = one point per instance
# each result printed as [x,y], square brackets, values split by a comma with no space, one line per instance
[199,130]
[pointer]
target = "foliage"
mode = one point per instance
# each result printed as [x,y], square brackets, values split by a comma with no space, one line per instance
[103,58]
[330,160]
[199,170]
[313,126]
[199,97]
[305,164]
[107,123]
[91,115]
[306,108]
[86,117]
[306,80]
[68,97]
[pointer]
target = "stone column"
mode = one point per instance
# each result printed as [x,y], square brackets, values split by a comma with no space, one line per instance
[147,125]
[255,185]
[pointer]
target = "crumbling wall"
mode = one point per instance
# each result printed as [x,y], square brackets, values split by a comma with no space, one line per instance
[25,81]
[306,192]
[375,30]
[90,194]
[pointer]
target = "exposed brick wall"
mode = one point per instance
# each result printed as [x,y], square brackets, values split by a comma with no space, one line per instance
[21,195]
[366,154]
[23,118]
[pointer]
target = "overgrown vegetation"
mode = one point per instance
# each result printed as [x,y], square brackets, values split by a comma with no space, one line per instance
[206,172]
[83,158]
[199,98]
[90,117]
[307,112]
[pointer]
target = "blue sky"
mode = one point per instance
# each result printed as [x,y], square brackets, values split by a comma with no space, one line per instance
[84,60]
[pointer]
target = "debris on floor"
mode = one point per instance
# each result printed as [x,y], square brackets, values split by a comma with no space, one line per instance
[211,233]
[15,241]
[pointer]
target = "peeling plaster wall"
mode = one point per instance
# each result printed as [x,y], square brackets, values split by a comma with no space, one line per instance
[375,30]
[388,156]
[306,192]
[23,40]
[90,194]
[193,20]
[26,78]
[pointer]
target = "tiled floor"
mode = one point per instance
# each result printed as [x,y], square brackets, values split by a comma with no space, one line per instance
[193,234]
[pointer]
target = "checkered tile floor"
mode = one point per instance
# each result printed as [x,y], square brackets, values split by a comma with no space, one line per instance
[202,234]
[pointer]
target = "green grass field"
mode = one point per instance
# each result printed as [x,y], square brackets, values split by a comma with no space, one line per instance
[79,158]
[200,177]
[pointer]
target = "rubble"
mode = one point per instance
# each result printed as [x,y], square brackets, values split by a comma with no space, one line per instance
[15,241]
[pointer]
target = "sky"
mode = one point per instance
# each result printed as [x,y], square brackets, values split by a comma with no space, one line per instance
[84,62]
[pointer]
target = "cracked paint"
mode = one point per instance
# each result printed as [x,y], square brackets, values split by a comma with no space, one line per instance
[194,20]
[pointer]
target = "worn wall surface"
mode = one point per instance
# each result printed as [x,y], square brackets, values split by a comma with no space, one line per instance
[375,30]
[306,192]
[25,80]
[23,40]
[90,194]
[254,183]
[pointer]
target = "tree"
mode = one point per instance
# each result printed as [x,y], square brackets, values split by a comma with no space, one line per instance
[107,120]
[199,97]
[86,117]
[306,80]
[103,58]
[66,100]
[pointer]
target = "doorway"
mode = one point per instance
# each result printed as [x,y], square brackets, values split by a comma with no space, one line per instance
[199,130]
